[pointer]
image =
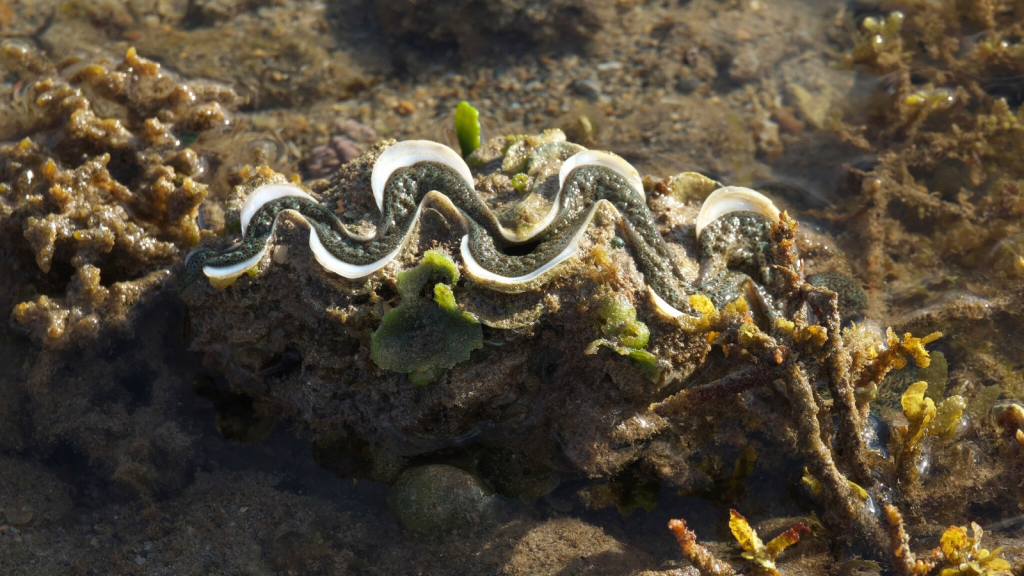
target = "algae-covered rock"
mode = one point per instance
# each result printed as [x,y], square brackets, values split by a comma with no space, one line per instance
[526,376]
[687,187]
[107,204]
[521,371]
[571,546]
[440,498]
[424,337]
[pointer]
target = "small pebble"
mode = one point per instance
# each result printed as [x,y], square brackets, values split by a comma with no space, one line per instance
[20,513]
[587,88]
[688,85]
[280,255]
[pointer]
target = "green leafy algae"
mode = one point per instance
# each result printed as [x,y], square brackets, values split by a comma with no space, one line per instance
[435,265]
[424,337]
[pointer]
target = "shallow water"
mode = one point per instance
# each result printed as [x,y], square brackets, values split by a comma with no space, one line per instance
[144,433]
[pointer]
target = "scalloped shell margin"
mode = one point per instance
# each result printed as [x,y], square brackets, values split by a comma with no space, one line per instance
[734,199]
[406,153]
[608,160]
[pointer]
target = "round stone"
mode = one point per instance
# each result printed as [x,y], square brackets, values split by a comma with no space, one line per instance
[440,498]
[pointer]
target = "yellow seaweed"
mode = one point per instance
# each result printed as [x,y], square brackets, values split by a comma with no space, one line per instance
[918,409]
[965,556]
[762,555]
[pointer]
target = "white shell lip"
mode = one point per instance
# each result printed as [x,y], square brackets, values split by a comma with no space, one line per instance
[409,152]
[730,199]
[267,193]
[608,160]
[664,307]
[342,268]
[236,270]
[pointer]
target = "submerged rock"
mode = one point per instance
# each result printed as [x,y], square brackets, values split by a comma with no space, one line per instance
[571,546]
[440,498]
[476,28]
[571,359]
[109,202]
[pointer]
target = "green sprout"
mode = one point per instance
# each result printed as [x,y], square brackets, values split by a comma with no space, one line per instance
[467,127]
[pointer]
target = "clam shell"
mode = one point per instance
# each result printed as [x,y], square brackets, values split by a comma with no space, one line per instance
[664,307]
[734,199]
[409,152]
[479,273]
[608,160]
[264,194]
[236,270]
[578,160]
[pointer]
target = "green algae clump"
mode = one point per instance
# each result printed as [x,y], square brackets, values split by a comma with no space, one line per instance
[424,337]
[521,183]
[625,334]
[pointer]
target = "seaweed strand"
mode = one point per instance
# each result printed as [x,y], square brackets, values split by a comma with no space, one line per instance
[837,493]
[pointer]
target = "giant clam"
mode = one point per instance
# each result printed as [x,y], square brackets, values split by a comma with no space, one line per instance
[415,173]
